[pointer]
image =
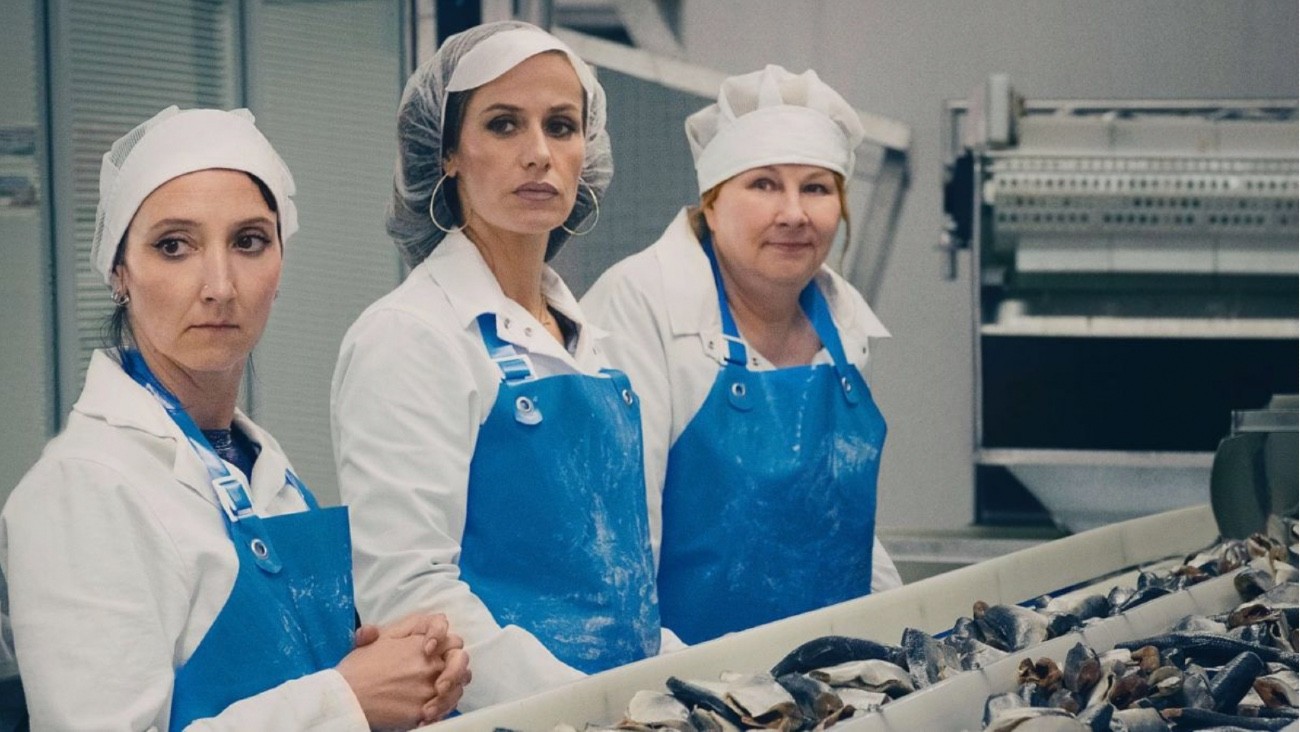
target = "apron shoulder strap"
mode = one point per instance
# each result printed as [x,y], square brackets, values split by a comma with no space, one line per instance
[515,366]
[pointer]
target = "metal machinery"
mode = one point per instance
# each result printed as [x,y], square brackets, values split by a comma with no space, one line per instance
[1134,280]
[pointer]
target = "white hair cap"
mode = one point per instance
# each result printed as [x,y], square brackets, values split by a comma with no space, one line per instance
[171,144]
[772,117]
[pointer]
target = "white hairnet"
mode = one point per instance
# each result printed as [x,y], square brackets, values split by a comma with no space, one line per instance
[772,117]
[467,61]
[173,143]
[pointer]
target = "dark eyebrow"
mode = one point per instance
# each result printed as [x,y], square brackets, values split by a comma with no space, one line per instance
[503,107]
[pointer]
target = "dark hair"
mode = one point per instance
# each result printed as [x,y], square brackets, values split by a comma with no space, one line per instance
[453,118]
[116,331]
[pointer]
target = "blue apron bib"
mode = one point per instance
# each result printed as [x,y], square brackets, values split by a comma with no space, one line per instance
[290,612]
[556,536]
[769,501]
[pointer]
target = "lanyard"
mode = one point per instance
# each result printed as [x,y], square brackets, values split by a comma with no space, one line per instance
[236,505]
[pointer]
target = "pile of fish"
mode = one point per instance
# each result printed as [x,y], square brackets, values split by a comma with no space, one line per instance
[1199,671]
[1234,671]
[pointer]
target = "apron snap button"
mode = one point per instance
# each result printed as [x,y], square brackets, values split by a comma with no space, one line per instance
[627,397]
[738,389]
[524,405]
[259,548]
[844,382]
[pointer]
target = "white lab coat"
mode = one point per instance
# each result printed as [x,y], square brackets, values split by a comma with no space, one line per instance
[118,562]
[412,387]
[661,307]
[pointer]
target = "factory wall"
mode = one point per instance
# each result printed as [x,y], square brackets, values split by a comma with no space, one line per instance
[897,59]
[902,60]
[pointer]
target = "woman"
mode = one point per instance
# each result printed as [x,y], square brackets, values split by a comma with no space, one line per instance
[762,439]
[492,462]
[166,568]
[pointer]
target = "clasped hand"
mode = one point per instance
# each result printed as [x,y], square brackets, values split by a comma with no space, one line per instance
[409,673]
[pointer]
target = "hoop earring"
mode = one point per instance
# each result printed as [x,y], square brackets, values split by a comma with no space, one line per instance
[434,197]
[120,298]
[596,202]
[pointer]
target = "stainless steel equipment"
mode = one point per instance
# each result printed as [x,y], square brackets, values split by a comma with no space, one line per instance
[1134,279]
[1256,468]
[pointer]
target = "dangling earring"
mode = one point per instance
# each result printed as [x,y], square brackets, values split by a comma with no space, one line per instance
[432,217]
[120,298]
[596,202]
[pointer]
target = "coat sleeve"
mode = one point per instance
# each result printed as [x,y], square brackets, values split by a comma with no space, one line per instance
[405,414]
[99,596]
[628,301]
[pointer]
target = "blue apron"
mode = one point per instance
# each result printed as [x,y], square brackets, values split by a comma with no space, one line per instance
[290,612]
[769,501]
[556,536]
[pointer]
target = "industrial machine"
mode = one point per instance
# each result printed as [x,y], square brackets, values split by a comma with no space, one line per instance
[1134,280]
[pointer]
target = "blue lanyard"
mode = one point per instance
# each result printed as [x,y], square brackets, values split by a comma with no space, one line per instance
[236,505]
[814,306]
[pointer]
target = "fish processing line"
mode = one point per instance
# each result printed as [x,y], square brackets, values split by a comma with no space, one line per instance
[1134,281]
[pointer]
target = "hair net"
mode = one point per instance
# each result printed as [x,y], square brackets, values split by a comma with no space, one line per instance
[771,117]
[173,143]
[466,61]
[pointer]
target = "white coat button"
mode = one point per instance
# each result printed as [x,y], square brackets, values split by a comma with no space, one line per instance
[505,323]
[528,331]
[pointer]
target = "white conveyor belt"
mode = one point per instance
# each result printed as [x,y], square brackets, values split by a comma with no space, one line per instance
[932,605]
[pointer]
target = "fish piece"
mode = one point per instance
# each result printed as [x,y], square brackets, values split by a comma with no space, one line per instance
[761,701]
[1211,647]
[1083,608]
[1082,669]
[705,720]
[1019,718]
[832,650]
[1143,596]
[1044,673]
[710,695]
[1186,718]
[1234,680]
[872,675]
[862,700]
[1065,699]
[817,700]
[655,708]
[1252,582]
[927,660]
[973,653]
[1011,627]
[1251,613]
[1096,717]
[1199,623]
[1165,681]
[1058,624]
[998,703]
[1127,690]
[1278,689]
[1139,720]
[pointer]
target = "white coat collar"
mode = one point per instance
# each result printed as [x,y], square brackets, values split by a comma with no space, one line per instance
[692,296]
[112,396]
[458,268]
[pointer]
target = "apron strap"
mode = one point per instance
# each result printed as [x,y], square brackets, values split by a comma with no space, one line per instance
[515,366]
[237,507]
[814,305]
[730,333]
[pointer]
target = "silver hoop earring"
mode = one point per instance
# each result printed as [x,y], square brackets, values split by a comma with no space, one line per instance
[120,298]
[433,197]
[596,202]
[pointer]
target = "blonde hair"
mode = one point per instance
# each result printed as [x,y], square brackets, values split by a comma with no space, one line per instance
[710,197]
